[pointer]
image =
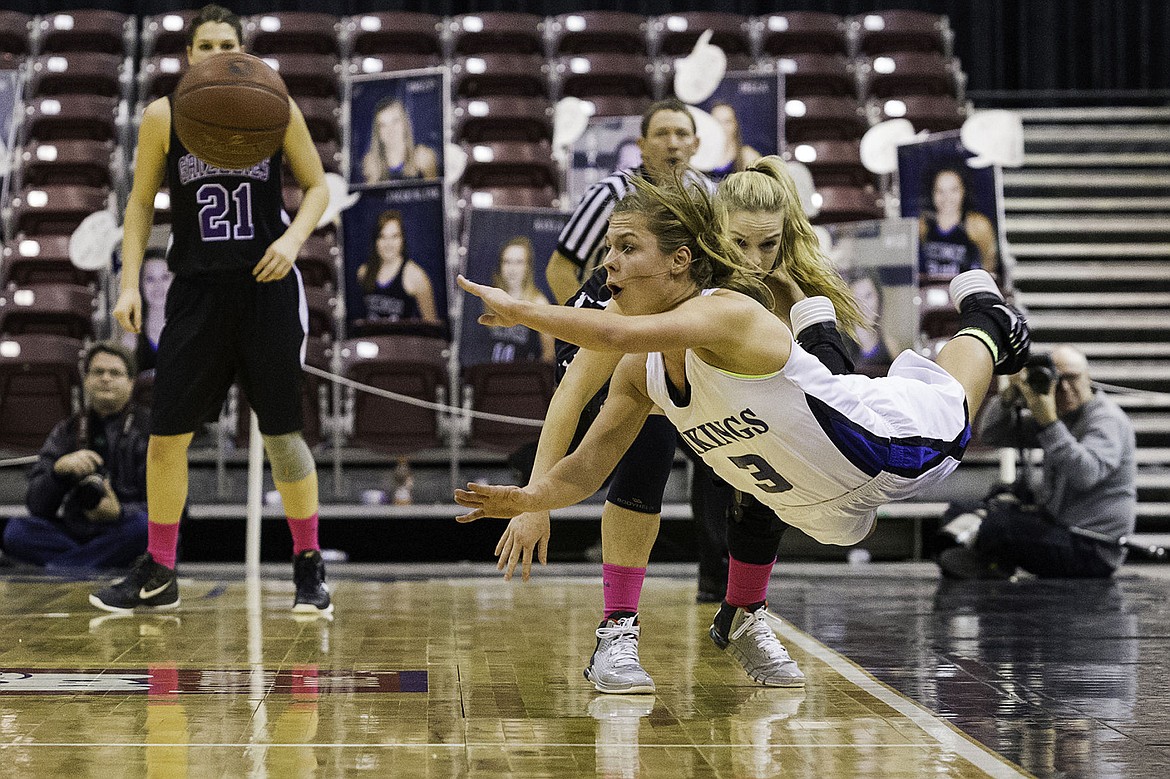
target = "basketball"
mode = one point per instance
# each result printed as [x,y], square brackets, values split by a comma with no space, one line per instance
[231,110]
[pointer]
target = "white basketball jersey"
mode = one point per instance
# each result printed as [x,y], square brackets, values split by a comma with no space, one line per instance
[823,451]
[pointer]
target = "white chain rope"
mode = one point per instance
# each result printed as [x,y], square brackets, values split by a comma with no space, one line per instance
[455,410]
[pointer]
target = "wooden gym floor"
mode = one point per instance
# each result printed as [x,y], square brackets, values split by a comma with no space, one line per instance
[446,671]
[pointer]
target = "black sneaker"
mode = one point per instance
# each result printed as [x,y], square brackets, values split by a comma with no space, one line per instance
[959,562]
[309,577]
[982,307]
[149,586]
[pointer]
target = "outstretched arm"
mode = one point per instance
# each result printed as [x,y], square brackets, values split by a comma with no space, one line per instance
[579,475]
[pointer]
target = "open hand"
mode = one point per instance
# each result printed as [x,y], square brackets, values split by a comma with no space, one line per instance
[496,303]
[128,310]
[489,500]
[278,259]
[524,533]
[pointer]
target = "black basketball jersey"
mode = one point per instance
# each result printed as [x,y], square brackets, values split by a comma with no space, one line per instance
[949,253]
[222,221]
[390,302]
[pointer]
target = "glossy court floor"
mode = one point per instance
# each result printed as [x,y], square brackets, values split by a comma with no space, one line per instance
[448,671]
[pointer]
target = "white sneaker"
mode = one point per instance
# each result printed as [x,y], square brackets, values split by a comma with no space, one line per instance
[615,667]
[751,641]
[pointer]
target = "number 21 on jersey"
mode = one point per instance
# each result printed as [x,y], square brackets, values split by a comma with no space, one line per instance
[225,216]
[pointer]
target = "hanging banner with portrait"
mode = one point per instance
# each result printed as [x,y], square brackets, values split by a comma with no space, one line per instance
[879,260]
[395,268]
[959,208]
[748,108]
[609,143]
[507,248]
[9,98]
[397,127]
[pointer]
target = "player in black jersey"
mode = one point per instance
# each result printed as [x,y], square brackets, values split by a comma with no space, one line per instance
[235,311]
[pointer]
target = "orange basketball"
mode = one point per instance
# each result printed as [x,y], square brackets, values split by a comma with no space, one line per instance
[231,110]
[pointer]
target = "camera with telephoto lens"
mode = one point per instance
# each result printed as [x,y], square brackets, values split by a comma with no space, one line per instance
[88,492]
[1040,373]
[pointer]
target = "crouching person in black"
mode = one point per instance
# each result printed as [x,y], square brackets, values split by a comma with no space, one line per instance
[1068,524]
[87,491]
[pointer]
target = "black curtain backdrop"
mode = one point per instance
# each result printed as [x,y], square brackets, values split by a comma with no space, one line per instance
[1004,45]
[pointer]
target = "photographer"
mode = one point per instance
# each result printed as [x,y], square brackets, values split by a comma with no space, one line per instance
[87,491]
[1087,480]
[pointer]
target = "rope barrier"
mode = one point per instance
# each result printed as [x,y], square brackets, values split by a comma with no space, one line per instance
[453,410]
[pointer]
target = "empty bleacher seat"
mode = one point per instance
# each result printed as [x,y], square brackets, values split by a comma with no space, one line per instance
[395,32]
[39,380]
[500,74]
[55,208]
[817,74]
[819,117]
[165,33]
[52,309]
[292,31]
[67,162]
[584,32]
[322,305]
[847,204]
[497,31]
[77,73]
[901,30]
[15,32]
[509,163]
[934,113]
[617,105]
[158,75]
[800,32]
[503,118]
[78,117]
[322,116]
[318,260]
[518,197]
[85,30]
[515,389]
[675,34]
[605,73]
[307,74]
[415,366]
[388,63]
[911,73]
[330,154]
[833,162]
[41,259]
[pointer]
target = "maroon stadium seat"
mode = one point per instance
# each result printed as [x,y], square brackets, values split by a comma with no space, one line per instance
[388,63]
[165,33]
[618,105]
[38,382]
[519,197]
[79,117]
[935,113]
[318,261]
[848,204]
[801,32]
[322,116]
[503,118]
[509,163]
[307,74]
[901,30]
[158,74]
[586,75]
[477,75]
[52,309]
[516,389]
[585,32]
[817,74]
[86,30]
[497,31]
[67,162]
[15,31]
[821,117]
[41,259]
[409,365]
[676,33]
[833,162]
[55,208]
[322,305]
[77,73]
[395,32]
[292,31]
[911,73]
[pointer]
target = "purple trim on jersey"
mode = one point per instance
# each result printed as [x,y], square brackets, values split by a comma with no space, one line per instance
[871,454]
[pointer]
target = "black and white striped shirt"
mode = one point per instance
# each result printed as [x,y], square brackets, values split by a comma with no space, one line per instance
[583,235]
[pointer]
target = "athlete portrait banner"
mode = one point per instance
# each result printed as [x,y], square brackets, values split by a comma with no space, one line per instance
[748,107]
[507,248]
[879,260]
[959,208]
[609,143]
[9,97]
[395,227]
[397,127]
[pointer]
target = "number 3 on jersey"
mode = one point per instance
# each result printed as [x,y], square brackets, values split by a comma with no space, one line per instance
[218,221]
[765,475]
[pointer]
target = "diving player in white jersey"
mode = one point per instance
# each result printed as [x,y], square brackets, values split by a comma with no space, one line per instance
[825,451]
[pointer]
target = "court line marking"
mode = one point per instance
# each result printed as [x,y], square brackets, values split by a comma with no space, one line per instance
[462,745]
[928,721]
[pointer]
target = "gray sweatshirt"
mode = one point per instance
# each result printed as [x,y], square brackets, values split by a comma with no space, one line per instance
[1088,478]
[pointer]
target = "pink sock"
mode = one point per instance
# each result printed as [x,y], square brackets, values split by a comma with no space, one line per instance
[747,583]
[304,534]
[162,541]
[621,587]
